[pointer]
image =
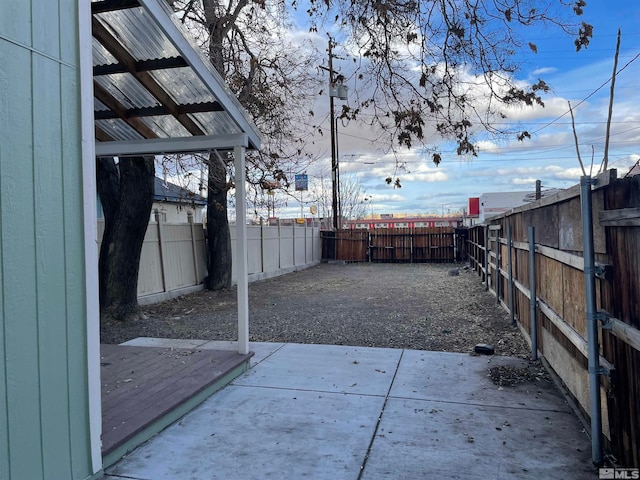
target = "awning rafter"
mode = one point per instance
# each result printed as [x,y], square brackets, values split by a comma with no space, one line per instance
[124,57]
[113,5]
[141,66]
[119,111]
[159,110]
[152,83]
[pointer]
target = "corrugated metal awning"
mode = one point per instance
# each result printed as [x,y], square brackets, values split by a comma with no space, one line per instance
[155,92]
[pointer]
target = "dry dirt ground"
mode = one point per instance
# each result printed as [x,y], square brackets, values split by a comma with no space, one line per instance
[415,306]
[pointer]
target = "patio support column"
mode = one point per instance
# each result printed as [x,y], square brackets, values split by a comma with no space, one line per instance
[241,249]
[91,235]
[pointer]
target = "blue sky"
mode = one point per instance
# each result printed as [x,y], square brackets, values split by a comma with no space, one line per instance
[509,165]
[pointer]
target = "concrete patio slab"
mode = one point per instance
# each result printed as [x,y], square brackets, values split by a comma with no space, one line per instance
[426,439]
[464,378]
[327,368]
[335,412]
[257,433]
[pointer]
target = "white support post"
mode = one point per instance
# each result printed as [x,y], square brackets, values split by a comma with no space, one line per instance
[241,249]
[90,236]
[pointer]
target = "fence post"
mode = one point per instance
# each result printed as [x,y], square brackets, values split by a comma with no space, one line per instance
[510,272]
[163,269]
[533,300]
[411,247]
[279,246]
[194,247]
[261,245]
[592,319]
[293,232]
[486,257]
[313,251]
[497,279]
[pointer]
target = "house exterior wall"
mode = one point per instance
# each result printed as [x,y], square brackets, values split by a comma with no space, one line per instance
[44,419]
[492,204]
[176,213]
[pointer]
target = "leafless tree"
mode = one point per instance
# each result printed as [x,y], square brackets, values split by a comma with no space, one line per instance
[448,66]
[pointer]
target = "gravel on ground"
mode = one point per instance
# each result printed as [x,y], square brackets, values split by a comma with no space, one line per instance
[441,307]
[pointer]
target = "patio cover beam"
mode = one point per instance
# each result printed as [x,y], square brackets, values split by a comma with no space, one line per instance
[159,146]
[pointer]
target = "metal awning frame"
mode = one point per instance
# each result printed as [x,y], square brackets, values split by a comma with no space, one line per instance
[164,146]
[245,135]
[225,101]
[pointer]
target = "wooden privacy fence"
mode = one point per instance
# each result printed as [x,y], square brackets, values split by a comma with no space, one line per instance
[395,245]
[546,262]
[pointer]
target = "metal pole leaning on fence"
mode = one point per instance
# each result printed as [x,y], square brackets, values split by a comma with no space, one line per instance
[592,319]
[533,300]
[509,266]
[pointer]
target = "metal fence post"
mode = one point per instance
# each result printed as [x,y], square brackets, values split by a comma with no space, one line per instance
[533,321]
[592,319]
[497,279]
[510,272]
[486,257]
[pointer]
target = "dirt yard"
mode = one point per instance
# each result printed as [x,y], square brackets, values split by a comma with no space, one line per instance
[416,306]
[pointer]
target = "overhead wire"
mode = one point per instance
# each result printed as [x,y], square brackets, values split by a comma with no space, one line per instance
[588,96]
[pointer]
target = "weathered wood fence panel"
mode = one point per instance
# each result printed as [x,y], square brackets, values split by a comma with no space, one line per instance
[344,245]
[560,307]
[424,244]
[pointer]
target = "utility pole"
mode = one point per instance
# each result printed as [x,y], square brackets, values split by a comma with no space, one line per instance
[336,89]
[334,159]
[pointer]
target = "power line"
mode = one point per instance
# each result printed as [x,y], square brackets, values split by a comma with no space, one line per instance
[588,96]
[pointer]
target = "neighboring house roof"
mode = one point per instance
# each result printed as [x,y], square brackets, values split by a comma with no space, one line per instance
[169,192]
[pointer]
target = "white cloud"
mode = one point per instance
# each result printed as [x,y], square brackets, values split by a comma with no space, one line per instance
[429,177]
[386,197]
[524,181]
[544,71]
[487,146]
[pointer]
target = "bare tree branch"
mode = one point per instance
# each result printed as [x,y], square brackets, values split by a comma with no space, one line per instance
[575,138]
[605,159]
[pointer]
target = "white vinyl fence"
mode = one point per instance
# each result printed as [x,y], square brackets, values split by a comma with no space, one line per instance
[173,260]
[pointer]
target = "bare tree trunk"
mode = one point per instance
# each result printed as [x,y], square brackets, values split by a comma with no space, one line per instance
[218,235]
[126,192]
[219,262]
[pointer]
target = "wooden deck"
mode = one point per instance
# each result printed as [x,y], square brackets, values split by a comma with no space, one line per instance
[144,389]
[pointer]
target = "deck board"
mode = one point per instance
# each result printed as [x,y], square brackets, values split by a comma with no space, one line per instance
[140,385]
